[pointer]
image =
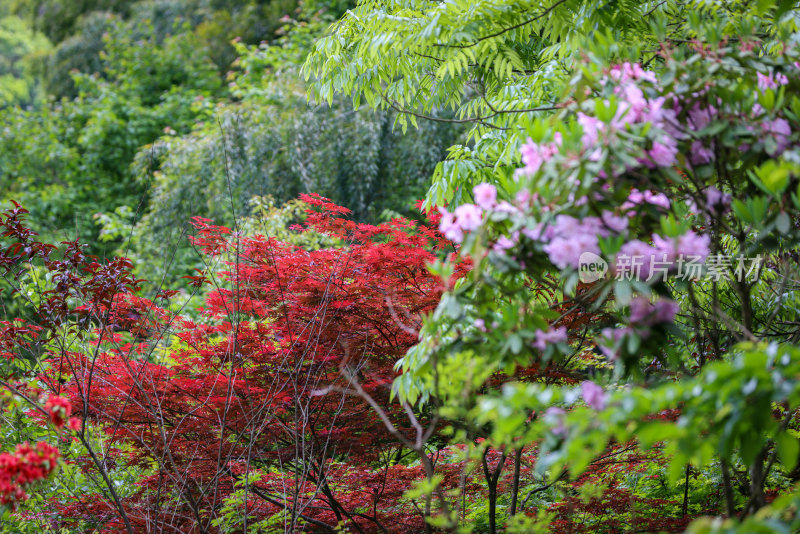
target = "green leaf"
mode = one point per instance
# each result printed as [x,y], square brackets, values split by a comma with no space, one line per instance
[622,292]
[773,177]
[788,449]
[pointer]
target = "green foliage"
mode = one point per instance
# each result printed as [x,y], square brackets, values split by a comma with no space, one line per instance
[77,28]
[71,159]
[20,50]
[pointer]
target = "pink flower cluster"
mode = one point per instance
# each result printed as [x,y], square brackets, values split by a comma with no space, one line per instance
[716,200]
[634,108]
[485,195]
[593,395]
[466,218]
[469,217]
[647,313]
[701,116]
[688,245]
[609,338]
[663,153]
[769,81]
[664,253]
[779,131]
[534,155]
[569,237]
[631,72]
[637,197]
[699,154]
[557,335]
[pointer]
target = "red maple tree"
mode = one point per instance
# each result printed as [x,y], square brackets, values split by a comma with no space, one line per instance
[258,392]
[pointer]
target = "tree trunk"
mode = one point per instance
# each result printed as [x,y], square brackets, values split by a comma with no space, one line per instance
[515,483]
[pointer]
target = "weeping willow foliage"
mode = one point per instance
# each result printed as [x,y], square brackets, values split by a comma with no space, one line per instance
[265,149]
[278,145]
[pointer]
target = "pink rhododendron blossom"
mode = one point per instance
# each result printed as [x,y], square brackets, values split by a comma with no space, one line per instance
[597,155]
[641,308]
[597,226]
[780,131]
[766,81]
[700,154]
[635,260]
[567,225]
[504,243]
[634,107]
[634,198]
[537,233]
[480,324]
[635,102]
[523,198]
[666,246]
[670,124]
[593,395]
[505,207]
[644,312]
[578,200]
[566,251]
[556,335]
[534,155]
[449,227]
[637,197]
[531,157]
[656,199]
[468,217]
[631,71]
[700,117]
[666,310]
[663,153]
[613,222]
[569,237]
[485,195]
[621,118]
[656,113]
[591,128]
[716,199]
[689,246]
